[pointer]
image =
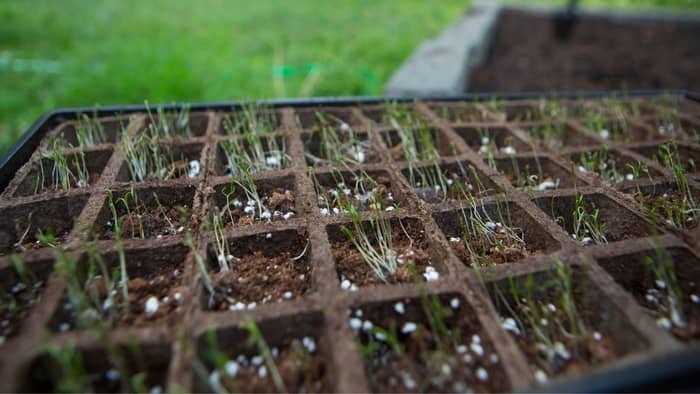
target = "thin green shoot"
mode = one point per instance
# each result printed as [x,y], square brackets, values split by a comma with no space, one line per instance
[256,338]
[666,282]
[379,255]
[147,159]
[587,226]
[169,125]
[251,118]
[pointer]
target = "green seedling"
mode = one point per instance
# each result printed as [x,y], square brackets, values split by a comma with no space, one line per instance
[603,163]
[169,125]
[682,211]
[667,292]
[256,338]
[67,170]
[251,118]
[587,226]
[339,145]
[147,159]
[361,190]
[253,152]
[379,255]
[545,312]
[485,239]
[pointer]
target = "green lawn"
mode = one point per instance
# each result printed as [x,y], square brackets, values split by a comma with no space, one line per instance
[125,51]
[82,53]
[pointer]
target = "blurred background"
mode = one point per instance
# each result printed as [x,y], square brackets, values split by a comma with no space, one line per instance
[84,53]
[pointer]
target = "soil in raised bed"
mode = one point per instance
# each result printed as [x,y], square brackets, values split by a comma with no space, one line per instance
[415,261]
[401,353]
[657,55]
[264,268]
[633,273]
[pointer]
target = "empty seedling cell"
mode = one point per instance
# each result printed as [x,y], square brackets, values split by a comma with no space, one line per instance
[245,201]
[431,343]
[336,191]
[489,140]
[382,250]
[147,159]
[61,170]
[21,286]
[134,367]
[563,323]
[252,153]
[611,166]
[502,232]
[256,270]
[556,135]
[670,154]
[459,113]
[153,212]
[286,354]
[666,282]
[418,144]
[330,146]
[99,296]
[676,204]
[593,218]
[315,118]
[536,173]
[39,224]
[455,181]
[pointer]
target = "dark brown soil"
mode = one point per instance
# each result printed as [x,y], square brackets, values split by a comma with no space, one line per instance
[300,371]
[619,223]
[154,223]
[419,363]
[506,251]
[584,352]
[279,202]
[668,207]
[15,305]
[161,281]
[102,374]
[259,279]
[340,190]
[354,149]
[599,55]
[414,252]
[30,242]
[631,273]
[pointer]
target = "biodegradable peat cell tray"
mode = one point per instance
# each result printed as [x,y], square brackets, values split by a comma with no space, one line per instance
[471,244]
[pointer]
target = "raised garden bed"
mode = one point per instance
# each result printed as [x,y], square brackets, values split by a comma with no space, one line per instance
[658,53]
[353,246]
